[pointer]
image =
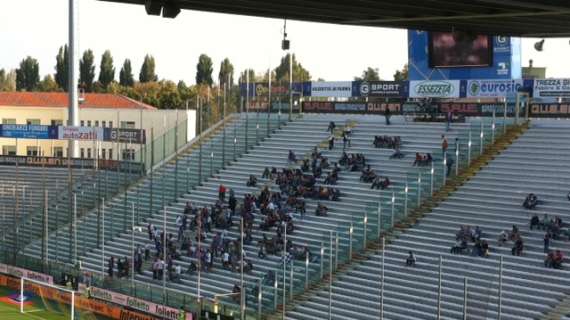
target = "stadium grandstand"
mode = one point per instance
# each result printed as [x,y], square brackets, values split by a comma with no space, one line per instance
[443,196]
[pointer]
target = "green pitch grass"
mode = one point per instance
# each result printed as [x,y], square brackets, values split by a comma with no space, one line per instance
[36,311]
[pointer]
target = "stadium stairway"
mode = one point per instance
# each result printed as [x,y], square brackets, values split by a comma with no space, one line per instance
[492,200]
[300,136]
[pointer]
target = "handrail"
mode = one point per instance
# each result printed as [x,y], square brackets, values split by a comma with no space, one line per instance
[195,140]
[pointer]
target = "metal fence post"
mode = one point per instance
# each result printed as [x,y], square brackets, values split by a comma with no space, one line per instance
[465,299]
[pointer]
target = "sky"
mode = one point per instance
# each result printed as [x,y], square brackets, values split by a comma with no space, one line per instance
[333,52]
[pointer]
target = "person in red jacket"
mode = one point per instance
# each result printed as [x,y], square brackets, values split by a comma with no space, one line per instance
[222,193]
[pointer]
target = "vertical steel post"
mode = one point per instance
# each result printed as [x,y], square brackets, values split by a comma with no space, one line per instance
[393,207]
[350,230]
[465,283]
[103,236]
[500,293]
[330,275]
[439,287]
[364,231]
[419,189]
[382,280]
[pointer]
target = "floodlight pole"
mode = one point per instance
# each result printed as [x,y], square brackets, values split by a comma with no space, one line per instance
[72,82]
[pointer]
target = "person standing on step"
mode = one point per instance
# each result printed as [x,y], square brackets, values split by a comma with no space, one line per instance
[331,142]
[444,145]
[387,115]
[222,193]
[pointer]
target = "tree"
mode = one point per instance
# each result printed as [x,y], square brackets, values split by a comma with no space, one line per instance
[300,74]
[126,75]
[370,74]
[252,77]
[7,80]
[226,69]
[48,84]
[107,71]
[87,70]
[184,91]
[204,70]
[401,75]
[28,75]
[147,73]
[62,68]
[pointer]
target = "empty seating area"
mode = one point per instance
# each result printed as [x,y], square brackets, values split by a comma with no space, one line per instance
[492,199]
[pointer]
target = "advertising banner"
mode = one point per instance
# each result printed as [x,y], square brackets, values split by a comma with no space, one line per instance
[19,272]
[493,88]
[333,89]
[137,304]
[435,89]
[550,109]
[551,88]
[277,88]
[124,135]
[28,131]
[80,133]
[380,107]
[318,106]
[386,89]
[350,107]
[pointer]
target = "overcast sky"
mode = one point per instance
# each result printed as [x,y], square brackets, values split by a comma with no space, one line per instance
[333,52]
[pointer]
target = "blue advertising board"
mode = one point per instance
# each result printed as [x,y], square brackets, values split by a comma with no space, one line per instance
[505,62]
[28,131]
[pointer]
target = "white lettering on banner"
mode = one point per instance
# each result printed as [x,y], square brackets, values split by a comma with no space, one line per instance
[138,304]
[551,88]
[80,133]
[493,88]
[379,88]
[331,89]
[19,273]
[435,89]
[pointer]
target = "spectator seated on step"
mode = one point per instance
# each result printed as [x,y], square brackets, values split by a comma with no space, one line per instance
[554,259]
[380,183]
[291,158]
[331,178]
[386,142]
[411,259]
[503,238]
[321,210]
[514,234]
[236,293]
[367,175]
[423,160]
[517,249]
[459,247]
[531,201]
[534,222]
[266,174]
[252,181]
[397,154]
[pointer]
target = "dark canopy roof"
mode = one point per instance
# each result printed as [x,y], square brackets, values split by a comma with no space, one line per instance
[530,18]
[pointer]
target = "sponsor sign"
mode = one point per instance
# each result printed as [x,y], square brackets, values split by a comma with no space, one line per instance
[80,133]
[124,135]
[28,131]
[19,273]
[493,88]
[550,109]
[137,304]
[378,89]
[435,89]
[103,164]
[350,107]
[551,88]
[380,107]
[336,89]
[318,106]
